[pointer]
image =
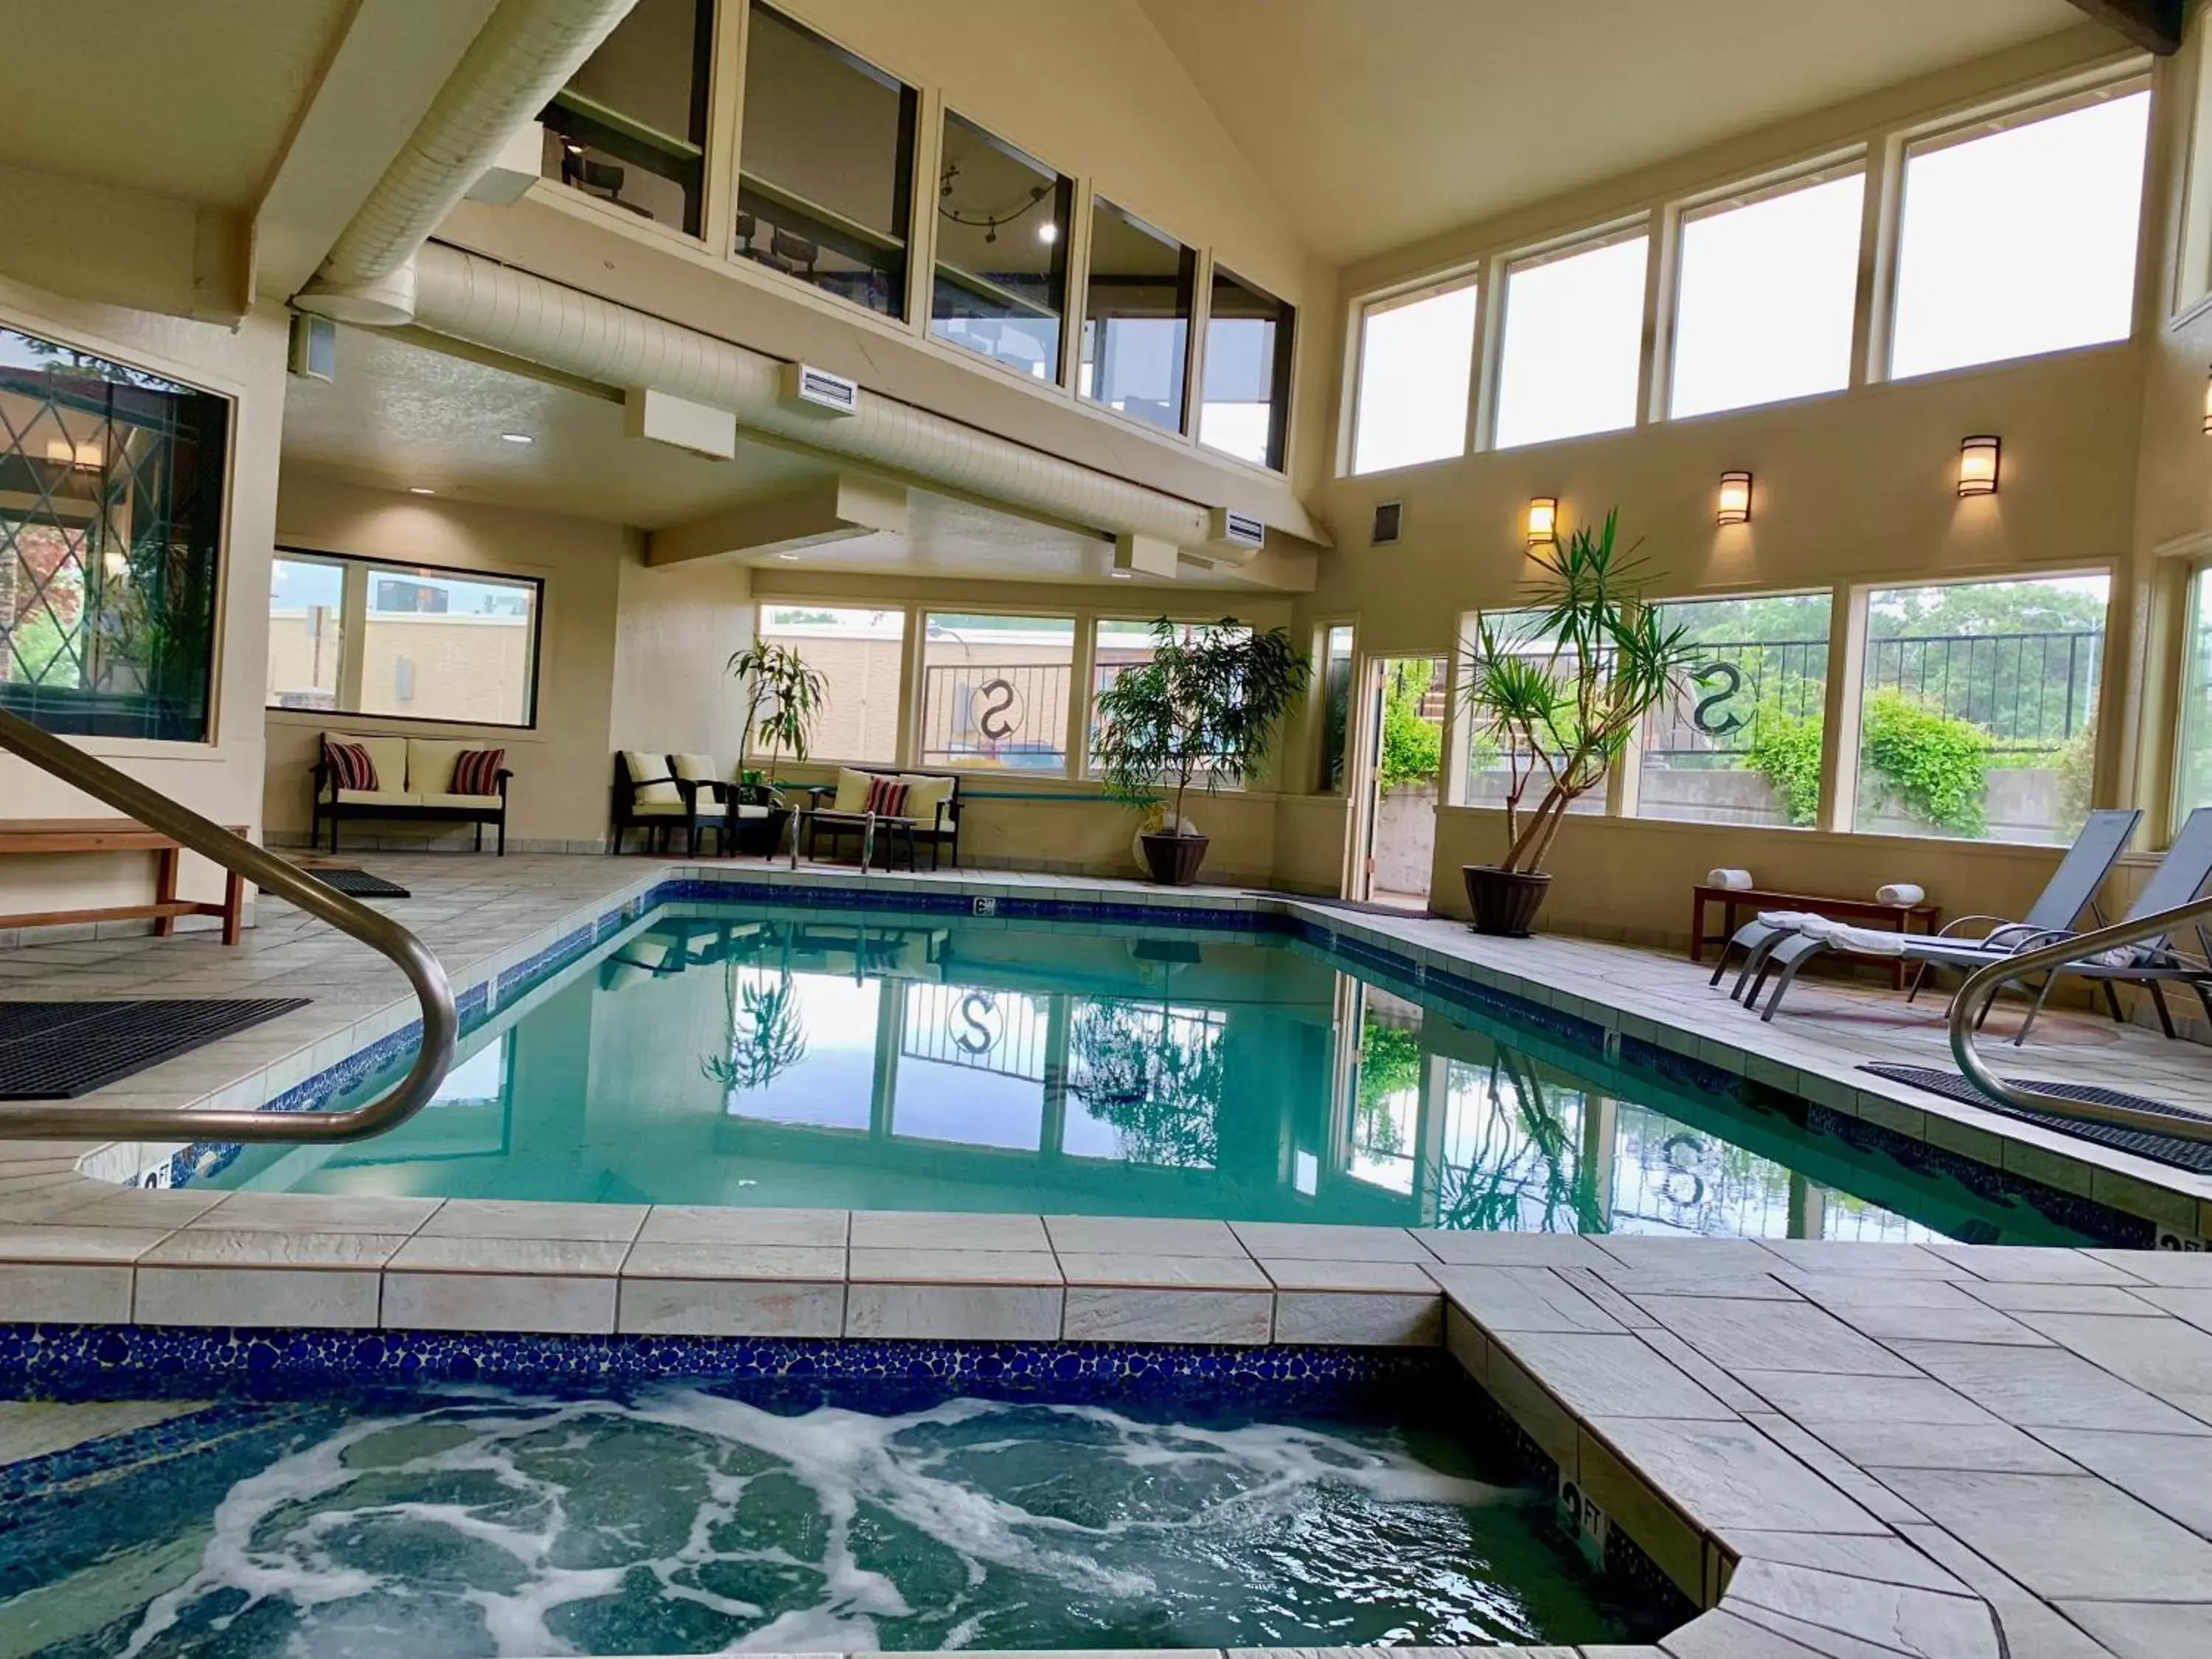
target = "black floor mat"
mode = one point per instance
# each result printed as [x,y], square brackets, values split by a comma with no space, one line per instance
[359,884]
[59,1050]
[2170,1150]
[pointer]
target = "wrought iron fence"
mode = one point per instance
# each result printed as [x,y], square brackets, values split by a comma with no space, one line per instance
[1735,681]
[998,1031]
[1012,713]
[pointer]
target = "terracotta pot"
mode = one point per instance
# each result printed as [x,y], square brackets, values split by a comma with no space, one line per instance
[1174,858]
[1505,901]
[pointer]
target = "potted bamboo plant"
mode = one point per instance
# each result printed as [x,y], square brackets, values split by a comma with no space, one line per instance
[1204,708]
[783,699]
[1559,689]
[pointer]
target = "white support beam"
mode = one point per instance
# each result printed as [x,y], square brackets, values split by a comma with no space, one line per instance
[835,510]
[114,245]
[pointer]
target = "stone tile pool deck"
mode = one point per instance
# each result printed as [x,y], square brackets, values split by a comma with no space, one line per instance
[1843,1449]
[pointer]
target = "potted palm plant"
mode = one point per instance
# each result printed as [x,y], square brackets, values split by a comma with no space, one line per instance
[1559,688]
[783,699]
[1205,708]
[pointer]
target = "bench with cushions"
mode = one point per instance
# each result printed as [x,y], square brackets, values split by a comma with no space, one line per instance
[924,807]
[409,779]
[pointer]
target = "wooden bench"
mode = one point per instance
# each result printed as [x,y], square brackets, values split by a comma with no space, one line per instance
[121,835]
[1897,918]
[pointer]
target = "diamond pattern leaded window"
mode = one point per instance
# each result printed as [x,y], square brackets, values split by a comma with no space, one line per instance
[111,518]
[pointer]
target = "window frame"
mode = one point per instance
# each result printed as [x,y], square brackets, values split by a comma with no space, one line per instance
[366,565]
[1075,733]
[1284,383]
[1650,223]
[905,610]
[1065,193]
[1193,266]
[1475,276]
[706,66]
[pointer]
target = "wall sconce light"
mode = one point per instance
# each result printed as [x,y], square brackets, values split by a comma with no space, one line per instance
[1977,465]
[1735,504]
[1543,520]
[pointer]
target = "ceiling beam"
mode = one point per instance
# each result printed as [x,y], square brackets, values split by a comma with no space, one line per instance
[111,245]
[832,510]
[2154,25]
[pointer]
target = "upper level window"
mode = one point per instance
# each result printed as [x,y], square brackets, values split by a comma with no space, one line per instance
[1247,372]
[1766,296]
[1574,342]
[1136,326]
[630,127]
[2020,236]
[110,533]
[1001,251]
[1416,364]
[825,186]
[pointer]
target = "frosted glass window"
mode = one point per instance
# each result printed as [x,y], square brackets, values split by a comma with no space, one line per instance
[1766,293]
[1416,360]
[1574,343]
[2020,241]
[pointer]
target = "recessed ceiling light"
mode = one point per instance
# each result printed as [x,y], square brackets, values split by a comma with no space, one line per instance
[786,555]
[516,438]
[1048,232]
[1119,575]
[420,489]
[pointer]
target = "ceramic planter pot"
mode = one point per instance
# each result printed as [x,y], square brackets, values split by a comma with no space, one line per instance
[1174,859]
[1505,901]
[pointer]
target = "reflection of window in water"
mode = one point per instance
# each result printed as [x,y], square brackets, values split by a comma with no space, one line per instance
[1145,1084]
[971,1066]
[1512,1151]
[833,1018]
[1386,1109]
[479,1081]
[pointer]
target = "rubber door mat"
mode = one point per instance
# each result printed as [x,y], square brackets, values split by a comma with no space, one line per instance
[2172,1150]
[59,1050]
[359,884]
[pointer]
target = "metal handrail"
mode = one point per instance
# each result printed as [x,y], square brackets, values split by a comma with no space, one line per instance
[86,1119]
[1984,983]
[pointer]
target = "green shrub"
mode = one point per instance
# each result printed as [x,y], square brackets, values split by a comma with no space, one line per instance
[1937,763]
[1787,748]
[1412,746]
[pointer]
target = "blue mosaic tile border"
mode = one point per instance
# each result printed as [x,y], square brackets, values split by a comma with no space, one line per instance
[90,1361]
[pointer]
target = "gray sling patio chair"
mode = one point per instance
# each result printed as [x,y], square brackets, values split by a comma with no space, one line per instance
[2180,876]
[2072,890]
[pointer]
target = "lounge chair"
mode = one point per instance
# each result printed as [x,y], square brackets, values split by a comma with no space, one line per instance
[2072,890]
[2181,875]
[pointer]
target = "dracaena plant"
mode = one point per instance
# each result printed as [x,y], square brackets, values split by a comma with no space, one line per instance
[1561,687]
[783,699]
[1204,709]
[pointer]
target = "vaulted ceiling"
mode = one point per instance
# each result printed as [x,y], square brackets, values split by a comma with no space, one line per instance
[1378,122]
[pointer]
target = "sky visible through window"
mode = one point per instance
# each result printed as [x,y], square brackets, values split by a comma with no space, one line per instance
[1416,361]
[1767,296]
[1574,345]
[2022,242]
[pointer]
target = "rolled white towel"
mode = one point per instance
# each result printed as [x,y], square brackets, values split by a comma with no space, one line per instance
[1737,880]
[1789,921]
[1899,892]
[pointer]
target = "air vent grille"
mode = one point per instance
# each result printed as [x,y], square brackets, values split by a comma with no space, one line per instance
[1390,518]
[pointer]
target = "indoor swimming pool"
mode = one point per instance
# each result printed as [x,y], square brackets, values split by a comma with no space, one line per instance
[692,1519]
[812,1058]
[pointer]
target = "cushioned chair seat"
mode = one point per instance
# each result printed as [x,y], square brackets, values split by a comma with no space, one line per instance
[675,809]
[378,797]
[491,801]
[746,812]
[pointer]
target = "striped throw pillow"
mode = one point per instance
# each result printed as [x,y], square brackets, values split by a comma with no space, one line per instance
[886,798]
[350,766]
[476,771]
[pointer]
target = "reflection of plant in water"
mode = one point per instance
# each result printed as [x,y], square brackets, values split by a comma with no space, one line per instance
[1389,1065]
[1156,1077]
[766,1036]
[1522,1155]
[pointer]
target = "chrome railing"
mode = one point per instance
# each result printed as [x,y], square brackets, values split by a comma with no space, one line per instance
[1984,983]
[87,1120]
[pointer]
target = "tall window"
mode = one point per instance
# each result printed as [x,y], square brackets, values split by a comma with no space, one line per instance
[1416,364]
[1978,718]
[1001,251]
[1740,743]
[1574,342]
[111,533]
[1247,372]
[995,691]
[858,653]
[2193,772]
[1766,296]
[1136,326]
[1493,761]
[630,127]
[825,192]
[1336,706]
[1118,647]
[361,638]
[2021,239]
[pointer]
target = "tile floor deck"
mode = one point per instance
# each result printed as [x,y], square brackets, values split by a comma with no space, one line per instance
[1841,1449]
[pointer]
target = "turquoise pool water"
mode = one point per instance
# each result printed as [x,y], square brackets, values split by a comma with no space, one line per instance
[696,1519]
[858,1059]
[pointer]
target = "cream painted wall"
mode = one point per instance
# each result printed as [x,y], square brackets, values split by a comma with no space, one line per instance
[676,627]
[222,777]
[559,793]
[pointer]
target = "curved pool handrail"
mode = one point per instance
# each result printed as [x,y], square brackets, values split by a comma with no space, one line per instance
[1984,983]
[87,1120]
